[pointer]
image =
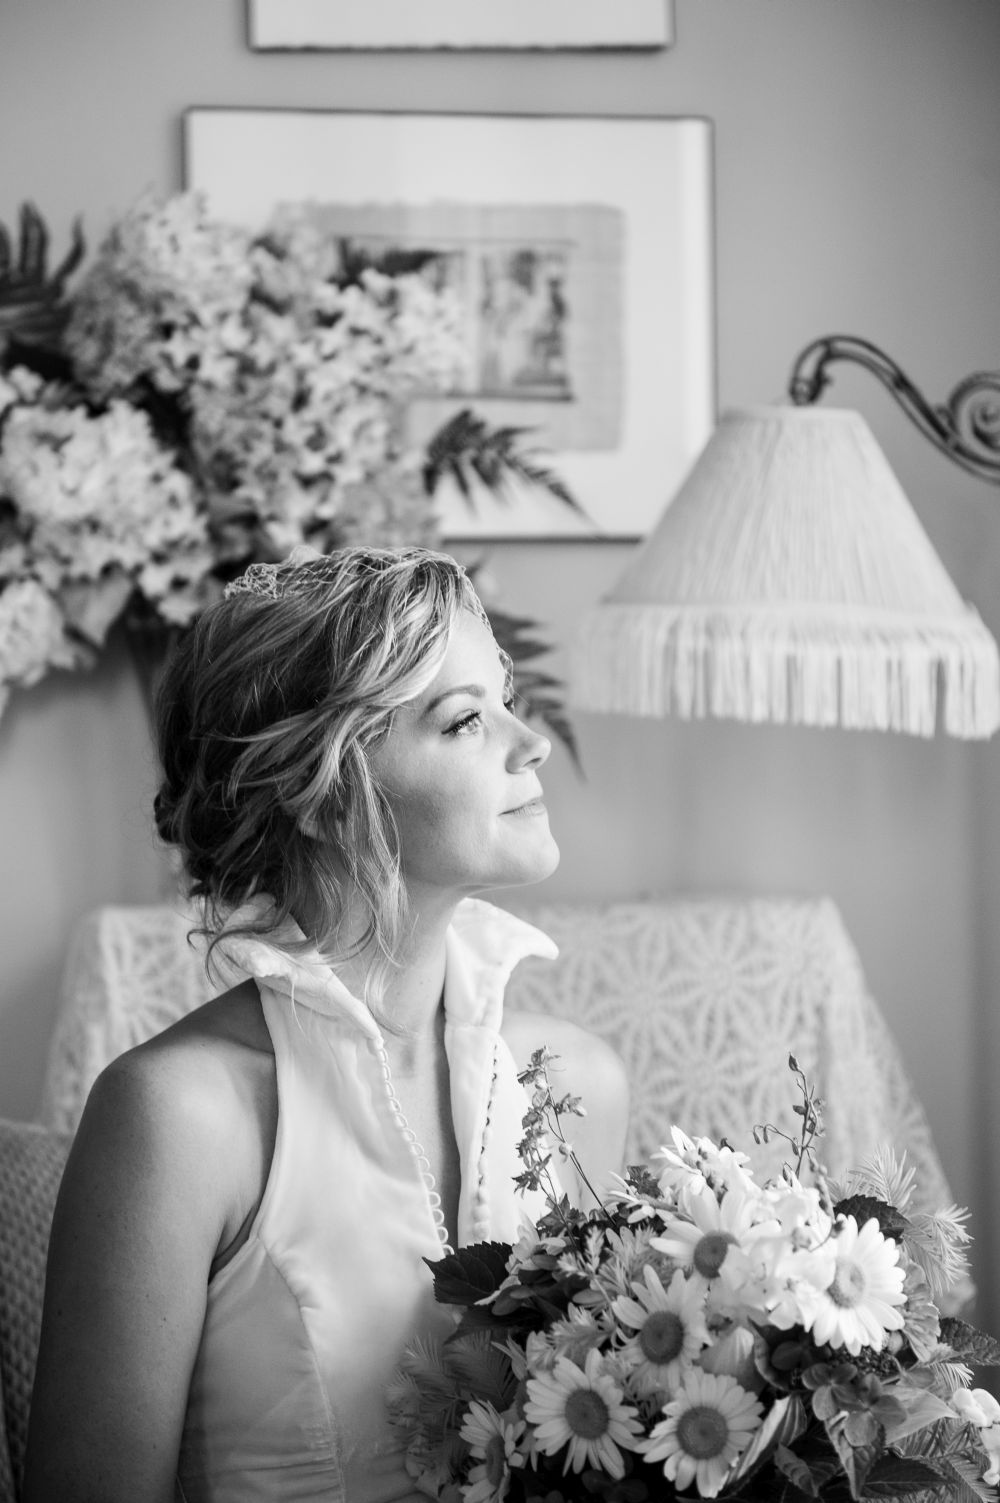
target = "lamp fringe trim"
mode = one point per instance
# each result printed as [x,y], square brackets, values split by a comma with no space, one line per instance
[864,670]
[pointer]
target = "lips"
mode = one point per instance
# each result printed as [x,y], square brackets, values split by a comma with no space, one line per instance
[533,806]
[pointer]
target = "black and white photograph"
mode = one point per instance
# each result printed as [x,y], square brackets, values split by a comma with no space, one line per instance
[499,757]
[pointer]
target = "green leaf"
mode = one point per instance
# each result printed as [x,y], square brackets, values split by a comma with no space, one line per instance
[784,1423]
[975,1347]
[467,1276]
[479,1368]
[642,1180]
[863,1207]
[797,1471]
[857,1461]
[965,1481]
[467,446]
[921,1409]
[33,306]
[895,1476]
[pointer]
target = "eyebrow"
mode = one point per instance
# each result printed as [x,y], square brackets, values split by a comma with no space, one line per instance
[476,690]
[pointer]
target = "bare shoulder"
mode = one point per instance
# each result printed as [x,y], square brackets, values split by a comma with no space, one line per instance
[585,1066]
[161,1112]
[168,1157]
[204,1066]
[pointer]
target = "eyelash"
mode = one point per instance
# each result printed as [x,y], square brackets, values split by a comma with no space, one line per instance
[474,718]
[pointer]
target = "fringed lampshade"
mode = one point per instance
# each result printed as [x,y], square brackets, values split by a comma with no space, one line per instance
[790,581]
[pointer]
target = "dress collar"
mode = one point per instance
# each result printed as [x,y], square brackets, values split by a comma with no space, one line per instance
[483,945]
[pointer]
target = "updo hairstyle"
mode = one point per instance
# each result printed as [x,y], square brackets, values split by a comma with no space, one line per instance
[267,714]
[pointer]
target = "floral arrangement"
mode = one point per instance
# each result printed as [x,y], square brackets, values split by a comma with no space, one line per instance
[705,1336]
[207,398]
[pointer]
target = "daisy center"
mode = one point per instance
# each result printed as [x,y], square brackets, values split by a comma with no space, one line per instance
[702,1432]
[662,1336]
[587,1413]
[710,1253]
[848,1285]
[495,1460]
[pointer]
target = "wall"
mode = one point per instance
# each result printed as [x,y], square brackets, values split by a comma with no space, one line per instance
[857,176]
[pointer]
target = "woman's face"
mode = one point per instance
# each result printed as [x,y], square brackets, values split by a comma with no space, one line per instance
[460,772]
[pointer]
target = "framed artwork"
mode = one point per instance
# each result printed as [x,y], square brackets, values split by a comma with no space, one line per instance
[348,25]
[580,249]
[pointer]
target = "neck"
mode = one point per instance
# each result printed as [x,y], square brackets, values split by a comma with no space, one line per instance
[411,1002]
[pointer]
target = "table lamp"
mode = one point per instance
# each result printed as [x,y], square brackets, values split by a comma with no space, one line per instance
[790,581]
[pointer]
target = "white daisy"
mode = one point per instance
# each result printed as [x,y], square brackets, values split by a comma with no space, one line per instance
[698,1163]
[705,1429]
[670,1328]
[493,1438]
[584,1411]
[861,1303]
[710,1236]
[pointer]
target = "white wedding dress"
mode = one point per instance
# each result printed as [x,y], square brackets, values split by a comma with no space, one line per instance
[305,1325]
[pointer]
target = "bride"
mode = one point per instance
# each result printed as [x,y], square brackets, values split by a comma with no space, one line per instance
[238,1252]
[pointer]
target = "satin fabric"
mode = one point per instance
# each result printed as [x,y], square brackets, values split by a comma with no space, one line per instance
[305,1326]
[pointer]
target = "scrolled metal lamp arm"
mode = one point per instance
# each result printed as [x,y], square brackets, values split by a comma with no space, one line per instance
[966,427]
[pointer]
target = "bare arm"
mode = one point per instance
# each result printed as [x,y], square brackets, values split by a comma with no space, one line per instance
[589,1068]
[140,1215]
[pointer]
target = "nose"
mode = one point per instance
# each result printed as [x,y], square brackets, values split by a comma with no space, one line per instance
[530,748]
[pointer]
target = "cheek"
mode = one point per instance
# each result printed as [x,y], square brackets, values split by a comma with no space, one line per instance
[444,833]
[430,817]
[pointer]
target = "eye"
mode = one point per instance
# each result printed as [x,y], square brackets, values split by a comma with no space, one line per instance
[466,724]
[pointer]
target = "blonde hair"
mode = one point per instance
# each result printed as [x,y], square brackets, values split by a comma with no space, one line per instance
[267,713]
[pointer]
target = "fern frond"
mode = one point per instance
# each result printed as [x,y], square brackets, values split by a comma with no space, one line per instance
[467,447]
[886,1177]
[937,1240]
[477,1364]
[947,1377]
[967,1481]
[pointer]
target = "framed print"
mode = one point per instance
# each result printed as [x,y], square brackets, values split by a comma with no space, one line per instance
[460,24]
[580,249]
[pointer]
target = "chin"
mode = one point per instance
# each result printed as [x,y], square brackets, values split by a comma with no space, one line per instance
[537,870]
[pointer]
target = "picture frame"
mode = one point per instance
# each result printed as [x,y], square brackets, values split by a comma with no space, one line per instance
[387,25]
[585,248]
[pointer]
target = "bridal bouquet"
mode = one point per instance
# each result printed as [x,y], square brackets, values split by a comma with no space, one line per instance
[705,1336]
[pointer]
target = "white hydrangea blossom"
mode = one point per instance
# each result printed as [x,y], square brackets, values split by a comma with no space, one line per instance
[32,634]
[279,389]
[97,491]
[18,385]
[163,300]
[313,412]
[99,508]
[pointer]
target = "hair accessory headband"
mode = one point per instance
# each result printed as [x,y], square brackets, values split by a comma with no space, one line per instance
[305,570]
[257,579]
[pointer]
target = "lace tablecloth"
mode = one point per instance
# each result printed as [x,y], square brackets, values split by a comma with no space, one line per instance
[706,998]
[703,998]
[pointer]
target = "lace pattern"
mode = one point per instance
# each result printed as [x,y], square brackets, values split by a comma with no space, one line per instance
[705,999]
